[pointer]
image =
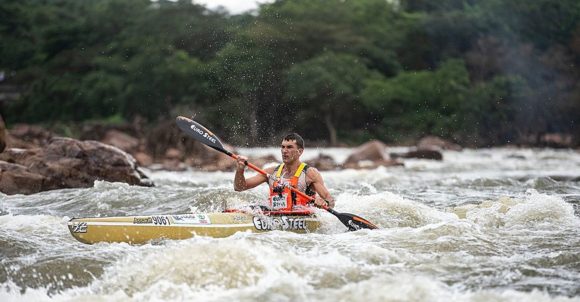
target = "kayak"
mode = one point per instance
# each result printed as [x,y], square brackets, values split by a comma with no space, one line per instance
[144,229]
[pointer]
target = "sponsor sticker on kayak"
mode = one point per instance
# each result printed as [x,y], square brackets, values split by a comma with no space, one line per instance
[279,223]
[191,219]
[142,220]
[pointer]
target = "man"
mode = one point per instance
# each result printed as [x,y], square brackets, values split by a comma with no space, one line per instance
[291,172]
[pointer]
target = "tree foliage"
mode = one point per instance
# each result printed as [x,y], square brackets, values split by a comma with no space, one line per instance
[479,72]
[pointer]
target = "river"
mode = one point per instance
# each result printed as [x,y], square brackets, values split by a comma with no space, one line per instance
[482,225]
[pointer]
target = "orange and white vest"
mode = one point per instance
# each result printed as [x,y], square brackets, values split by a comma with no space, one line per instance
[283,199]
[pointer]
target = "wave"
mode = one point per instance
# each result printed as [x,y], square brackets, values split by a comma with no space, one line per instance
[532,209]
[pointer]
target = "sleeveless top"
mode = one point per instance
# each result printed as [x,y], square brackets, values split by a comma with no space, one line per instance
[282,198]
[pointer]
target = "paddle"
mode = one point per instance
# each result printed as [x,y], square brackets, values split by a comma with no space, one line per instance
[201,134]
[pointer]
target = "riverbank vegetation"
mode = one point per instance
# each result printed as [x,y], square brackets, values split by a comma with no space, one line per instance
[480,73]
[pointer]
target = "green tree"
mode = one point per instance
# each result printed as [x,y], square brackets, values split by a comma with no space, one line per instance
[414,104]
[329,85]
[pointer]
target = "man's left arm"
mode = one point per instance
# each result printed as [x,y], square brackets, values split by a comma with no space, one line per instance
[318,185]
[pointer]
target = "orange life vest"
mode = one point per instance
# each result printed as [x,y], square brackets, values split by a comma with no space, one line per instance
[283,198]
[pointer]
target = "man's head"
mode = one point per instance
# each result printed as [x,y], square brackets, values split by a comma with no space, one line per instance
[292,147]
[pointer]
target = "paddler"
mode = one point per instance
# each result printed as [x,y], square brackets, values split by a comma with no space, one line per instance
[291,172]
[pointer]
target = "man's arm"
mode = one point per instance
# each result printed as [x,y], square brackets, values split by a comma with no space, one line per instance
[318,185]
[241,183]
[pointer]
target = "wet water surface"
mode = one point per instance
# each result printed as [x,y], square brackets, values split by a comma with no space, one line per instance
[481,225]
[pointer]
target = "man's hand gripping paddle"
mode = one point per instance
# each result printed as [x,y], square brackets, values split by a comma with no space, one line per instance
[201,134]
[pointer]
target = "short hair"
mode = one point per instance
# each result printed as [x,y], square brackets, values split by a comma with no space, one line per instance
[295,137]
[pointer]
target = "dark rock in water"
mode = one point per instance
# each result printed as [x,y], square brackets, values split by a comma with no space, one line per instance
[516,156]
[66,163]
[421,154]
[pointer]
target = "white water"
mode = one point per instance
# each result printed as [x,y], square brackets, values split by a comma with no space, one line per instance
[482,225]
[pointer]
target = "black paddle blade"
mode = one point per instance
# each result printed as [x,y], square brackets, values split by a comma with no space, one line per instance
[354,222]
[200,133]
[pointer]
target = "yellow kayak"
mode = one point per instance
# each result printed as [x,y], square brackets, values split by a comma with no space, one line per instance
[143,229]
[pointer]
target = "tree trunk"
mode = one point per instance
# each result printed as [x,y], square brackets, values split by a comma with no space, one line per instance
[331,129]
[3,134]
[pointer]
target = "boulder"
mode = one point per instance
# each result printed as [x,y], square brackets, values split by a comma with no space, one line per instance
[370,155]
[172,164]
[436,143]
[212,160]
[556,140]
[67,163]
[173,153]
[371,151]
[323,163]
[17,179]
[143,159]
[100,131]
[166,139]
[28,136]
[262,161]
[121,140]
[421,154]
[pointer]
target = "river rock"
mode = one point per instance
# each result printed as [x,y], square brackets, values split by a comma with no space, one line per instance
[28,136]
[557,140]
[263,161]
[143,159]
[18,179]
[371,151]
[421,154]
[323,163]
[67,163]
[212,160]
[121,140]
[437,143]
[370,155]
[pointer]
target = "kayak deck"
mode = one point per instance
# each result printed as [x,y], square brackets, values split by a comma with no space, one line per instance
[143,229]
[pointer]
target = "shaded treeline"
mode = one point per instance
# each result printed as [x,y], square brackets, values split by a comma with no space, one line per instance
[478,72]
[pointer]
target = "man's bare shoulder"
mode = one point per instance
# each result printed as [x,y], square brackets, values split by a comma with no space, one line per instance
[312,173]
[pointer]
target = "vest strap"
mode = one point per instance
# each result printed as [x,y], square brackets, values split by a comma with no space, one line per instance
[279,172]
[299,170]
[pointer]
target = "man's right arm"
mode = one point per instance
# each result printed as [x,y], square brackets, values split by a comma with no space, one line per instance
[240,181]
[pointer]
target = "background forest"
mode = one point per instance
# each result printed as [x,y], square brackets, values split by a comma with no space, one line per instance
[481,73]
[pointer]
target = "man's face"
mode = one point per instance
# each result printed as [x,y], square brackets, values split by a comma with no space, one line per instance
[290,151]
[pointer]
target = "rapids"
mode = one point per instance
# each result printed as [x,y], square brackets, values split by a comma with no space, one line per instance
[482,225]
